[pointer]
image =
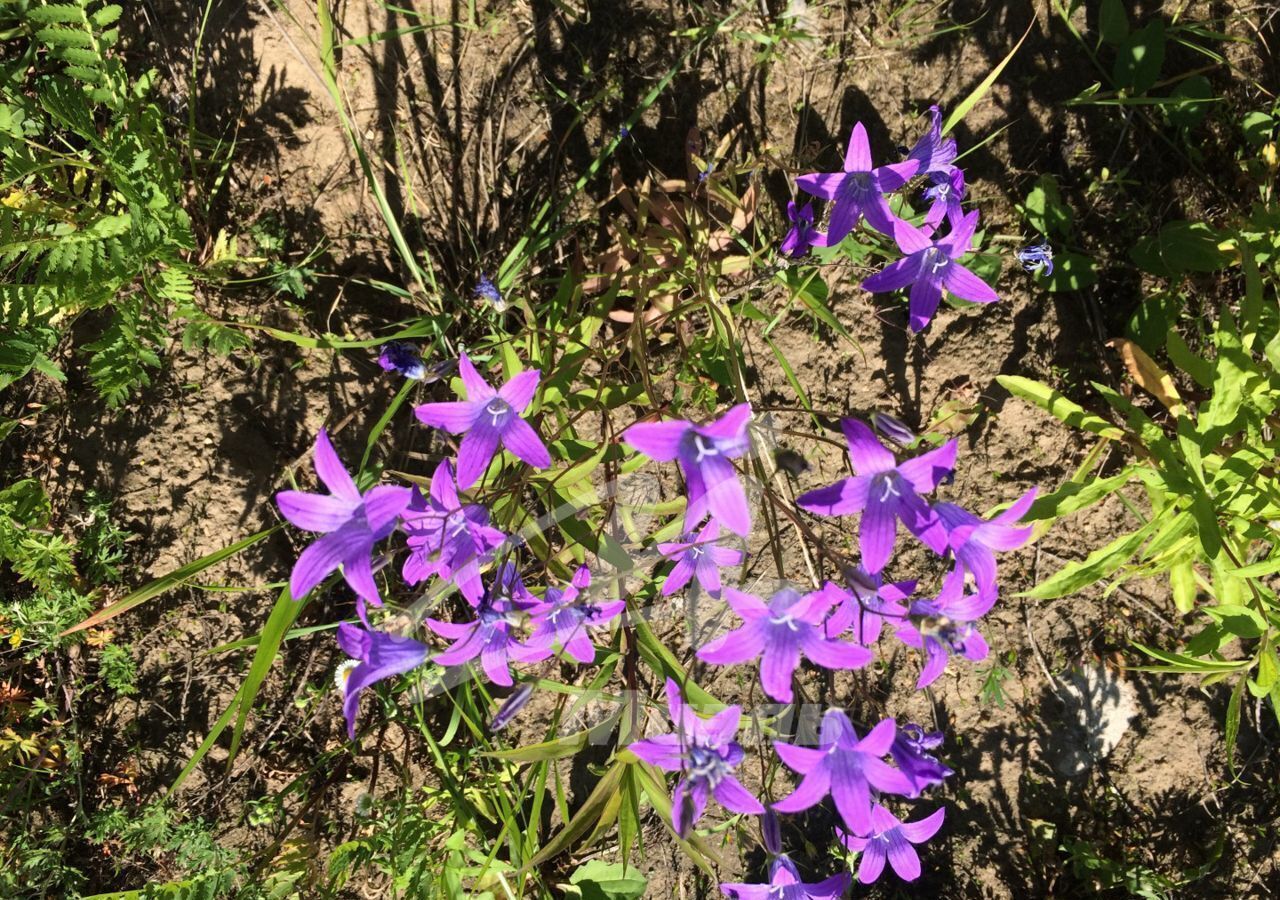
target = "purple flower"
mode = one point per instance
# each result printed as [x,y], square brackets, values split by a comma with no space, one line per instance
[350,522]
[511,706]
[933,153]
[699,557]
[778,635]
[381,655]
[863,607]
[397,356]
[487,418]
[894,429]
[890,838]
[785,884]
[930,267]
[974,541]
[705,754]
[911,751]
[562,618]
[885,492]
[1037,258]
[859,190]
[803,234]
[844,766]
[488,291]
[489,636]
[944,626]
[446,538]
[703,452]
[944,194]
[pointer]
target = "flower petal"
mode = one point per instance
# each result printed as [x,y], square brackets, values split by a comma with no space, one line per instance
[894,276]
[825,185]
[476,452]
[903,857]
[868,455]
[964,284]
[454,417]
[520,390]
[736,798]
[324,556]
[333,474]
[926,471]
[315,512]
[657,440]
[920,831]
[738,646]
[849,495]
[478,390]
[519,437]
[858,157]
[877,534]
[811,791]
[835,654]
[872,862]
[924,299]
[726,497]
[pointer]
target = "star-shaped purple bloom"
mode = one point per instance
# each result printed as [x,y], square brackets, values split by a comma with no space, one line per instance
[859,190]
[933,153]
[446,538]
[891,839]
[778,634]
[705,754]
[397,356]
[975,541]
[930,267]
[911,750]
[486,419]
[785,884]
[945,626]
[885,492]
[803,235]
[564,618]
[703,452]
[489,635]
[944,194]
[862,607]
[351,523]
[699,557]
[381,655]
[844,766]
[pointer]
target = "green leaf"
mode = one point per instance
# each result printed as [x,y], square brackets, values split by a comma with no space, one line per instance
[1074,496]
[599,880]
[1058,406]
[1113,22]
[1045,211]
[1257,127]
[1193,95]
[1181,247]
[1139,58]
[1182,580]
[1200,369]
[1231,727]
[1238,620]
[587,816]
[282,617]
[168,582]
[1071,272]
[961,109]
[559,748]
[1098,565]
[1181,663]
